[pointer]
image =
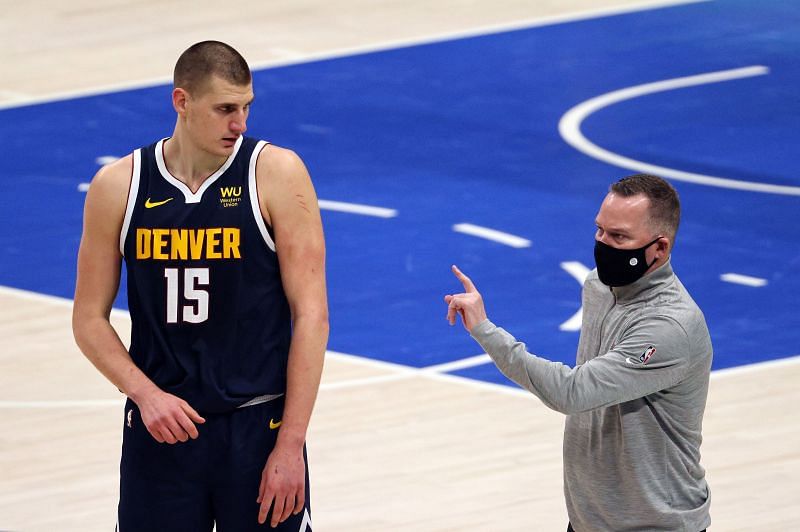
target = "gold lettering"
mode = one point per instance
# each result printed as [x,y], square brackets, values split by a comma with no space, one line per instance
[159,242]
[188,244]
[230,243]
[142,243]
[196,243]
[212,243]
[179,248]
[228,192]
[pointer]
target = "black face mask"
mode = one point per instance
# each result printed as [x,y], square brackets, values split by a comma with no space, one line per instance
[620,267]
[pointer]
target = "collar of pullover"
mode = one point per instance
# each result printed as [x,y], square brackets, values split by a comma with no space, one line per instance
[649,284]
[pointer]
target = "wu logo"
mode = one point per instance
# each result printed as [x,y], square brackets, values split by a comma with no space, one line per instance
[231,192]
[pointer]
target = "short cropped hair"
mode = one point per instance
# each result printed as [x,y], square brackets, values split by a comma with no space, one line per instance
[202,60]
[665,206]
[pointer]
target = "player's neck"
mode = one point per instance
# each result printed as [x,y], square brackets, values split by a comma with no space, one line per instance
[188,163]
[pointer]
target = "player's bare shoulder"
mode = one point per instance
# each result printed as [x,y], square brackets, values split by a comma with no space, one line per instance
[284,184]
[113,179]
[276,163]
[108,192]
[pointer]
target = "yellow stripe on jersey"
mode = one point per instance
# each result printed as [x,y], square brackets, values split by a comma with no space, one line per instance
[188,244]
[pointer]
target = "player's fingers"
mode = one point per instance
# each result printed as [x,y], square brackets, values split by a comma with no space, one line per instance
[187,426]
[288,508]
[448,298]
[277,511]
[176,430]
[262,488]
[156,434]
[466,281]
[300,500]
[168,436]
[263,510]
[192,413]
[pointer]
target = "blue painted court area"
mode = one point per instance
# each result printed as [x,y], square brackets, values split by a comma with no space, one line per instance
[467,131]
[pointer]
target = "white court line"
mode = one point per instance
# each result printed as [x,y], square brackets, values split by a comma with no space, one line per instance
[492,234]
[402,371]
[579,272]
[106,159]
[569,127]
[357,208]
[463,363]
[52,300]
[340,206]
[66,403]
[745,280]
[576,270]
[756,366]
[328,205]
[535,22]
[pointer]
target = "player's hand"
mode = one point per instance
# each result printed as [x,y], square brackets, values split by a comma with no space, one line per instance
[169,419]
[283,481]
[468,305]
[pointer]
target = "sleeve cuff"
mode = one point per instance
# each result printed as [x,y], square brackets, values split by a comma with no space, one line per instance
[482,329]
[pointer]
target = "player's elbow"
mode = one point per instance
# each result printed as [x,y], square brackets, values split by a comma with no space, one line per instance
[317,317]
[312,312]
[83,327]
[79,328]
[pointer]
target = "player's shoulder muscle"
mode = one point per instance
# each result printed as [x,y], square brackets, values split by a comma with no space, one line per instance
[107,196]
[282,177]
[277,163]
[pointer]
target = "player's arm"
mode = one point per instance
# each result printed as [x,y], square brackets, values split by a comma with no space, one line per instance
[289,204]
[99,260]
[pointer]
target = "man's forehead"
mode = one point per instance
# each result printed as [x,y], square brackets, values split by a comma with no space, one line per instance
[219,89]
[623,211]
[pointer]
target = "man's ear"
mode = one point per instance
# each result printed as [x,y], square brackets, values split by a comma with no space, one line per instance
[179,98]
[663,245]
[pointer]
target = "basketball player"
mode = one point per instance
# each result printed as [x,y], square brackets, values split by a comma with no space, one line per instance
[223,245]
[636,397]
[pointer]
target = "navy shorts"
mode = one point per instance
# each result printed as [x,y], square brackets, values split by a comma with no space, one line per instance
[212,480]
[570,529]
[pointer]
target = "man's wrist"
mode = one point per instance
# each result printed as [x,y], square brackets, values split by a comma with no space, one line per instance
[481,327]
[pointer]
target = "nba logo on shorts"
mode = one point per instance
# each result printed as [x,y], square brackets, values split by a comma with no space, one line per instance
[130,418]
[650,351]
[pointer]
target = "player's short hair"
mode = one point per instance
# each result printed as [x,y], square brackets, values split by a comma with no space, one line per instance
[202,60]
[665,206]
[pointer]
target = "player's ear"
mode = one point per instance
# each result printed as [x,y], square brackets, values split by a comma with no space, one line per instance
[179,97]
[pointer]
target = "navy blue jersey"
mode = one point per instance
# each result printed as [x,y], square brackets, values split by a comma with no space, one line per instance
[210,320]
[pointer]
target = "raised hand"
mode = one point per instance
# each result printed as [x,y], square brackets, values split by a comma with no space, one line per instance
[468,305]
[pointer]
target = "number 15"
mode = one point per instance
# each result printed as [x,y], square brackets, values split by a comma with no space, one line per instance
[197,309]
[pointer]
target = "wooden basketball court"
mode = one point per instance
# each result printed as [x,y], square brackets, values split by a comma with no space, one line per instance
[390,448]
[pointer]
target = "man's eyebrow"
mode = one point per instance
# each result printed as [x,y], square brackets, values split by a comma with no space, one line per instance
[614,229]
[226,103]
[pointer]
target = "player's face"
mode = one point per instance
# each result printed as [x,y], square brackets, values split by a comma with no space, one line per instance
[623,223]
[217,117]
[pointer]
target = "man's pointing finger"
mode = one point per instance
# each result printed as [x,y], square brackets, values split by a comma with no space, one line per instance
[466,281]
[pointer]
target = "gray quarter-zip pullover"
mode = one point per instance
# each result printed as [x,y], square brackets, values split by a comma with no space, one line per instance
[634,404]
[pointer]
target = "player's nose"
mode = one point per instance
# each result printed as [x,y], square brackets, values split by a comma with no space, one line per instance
[239,124]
